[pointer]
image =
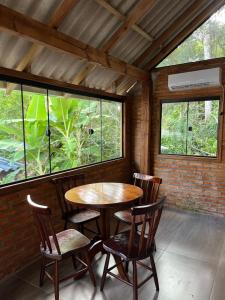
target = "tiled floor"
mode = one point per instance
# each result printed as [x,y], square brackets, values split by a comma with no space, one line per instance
[190,261]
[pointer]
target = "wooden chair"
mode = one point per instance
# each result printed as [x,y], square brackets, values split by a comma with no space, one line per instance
[150,186]
[135,246]
[72,214]
[57,246]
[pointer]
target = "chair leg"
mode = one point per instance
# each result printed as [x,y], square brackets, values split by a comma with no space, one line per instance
[82,228]
[56,280]
[117,226]
[127,266]
[154,245]
[42,272]
[135,288]
[90,268]
[154,272]
[74,261]
[98,228]
[105,272]
[65,224]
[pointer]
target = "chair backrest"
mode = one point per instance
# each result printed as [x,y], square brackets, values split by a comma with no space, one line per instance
[150,185]
[150,215]
[42,216]
[63,184]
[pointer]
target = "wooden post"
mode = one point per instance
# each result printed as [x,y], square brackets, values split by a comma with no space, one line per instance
[145,129]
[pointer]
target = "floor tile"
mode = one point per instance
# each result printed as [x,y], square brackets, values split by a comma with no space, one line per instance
[218,290]
[17,289]
[180,277]
[197,237]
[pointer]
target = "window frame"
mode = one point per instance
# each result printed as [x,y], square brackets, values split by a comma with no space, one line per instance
[76,92]
[218,156]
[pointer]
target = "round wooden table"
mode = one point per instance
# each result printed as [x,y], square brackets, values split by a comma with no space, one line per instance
[104,196]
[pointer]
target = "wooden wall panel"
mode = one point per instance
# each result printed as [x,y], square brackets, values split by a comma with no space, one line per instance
[193,183]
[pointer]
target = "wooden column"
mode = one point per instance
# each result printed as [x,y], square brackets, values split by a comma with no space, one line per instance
[145,129]
[140,130]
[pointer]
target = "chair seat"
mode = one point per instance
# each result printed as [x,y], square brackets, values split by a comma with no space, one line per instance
[125,216]
[118,245]
[69,240]
[84,215]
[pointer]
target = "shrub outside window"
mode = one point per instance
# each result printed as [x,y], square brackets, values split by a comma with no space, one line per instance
[190,127]
[44,131]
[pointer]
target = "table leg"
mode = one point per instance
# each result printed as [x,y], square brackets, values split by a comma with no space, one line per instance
[105,224]
[105,234]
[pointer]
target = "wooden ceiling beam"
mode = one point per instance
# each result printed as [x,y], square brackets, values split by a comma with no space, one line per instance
[61,11]
[122,17]
[86,70]
[24,26]
[28,77]
[141,8]
[179,22]
[178,39]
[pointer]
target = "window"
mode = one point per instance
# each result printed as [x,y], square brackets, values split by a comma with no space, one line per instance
[190,127]
[43,131]
[208,41]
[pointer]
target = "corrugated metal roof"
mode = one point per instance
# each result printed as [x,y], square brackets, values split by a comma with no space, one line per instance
[92,24]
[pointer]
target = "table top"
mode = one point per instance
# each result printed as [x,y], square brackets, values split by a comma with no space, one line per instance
[104,194]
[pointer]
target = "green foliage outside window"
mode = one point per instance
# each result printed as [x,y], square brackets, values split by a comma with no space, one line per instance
[190,127]
[208,41]
[52,133]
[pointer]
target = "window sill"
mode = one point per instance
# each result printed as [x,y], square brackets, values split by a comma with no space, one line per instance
[192,158]
[30,183]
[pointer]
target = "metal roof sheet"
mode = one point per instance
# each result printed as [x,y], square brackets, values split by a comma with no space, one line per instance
[93,24]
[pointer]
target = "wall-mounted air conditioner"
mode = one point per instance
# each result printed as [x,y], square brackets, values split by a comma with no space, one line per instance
[195,79]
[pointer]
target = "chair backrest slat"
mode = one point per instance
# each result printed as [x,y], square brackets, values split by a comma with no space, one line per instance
[42,216]
[150,215]
[150,185]
[62,185]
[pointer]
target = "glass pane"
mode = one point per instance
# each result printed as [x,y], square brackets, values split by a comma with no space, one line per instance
[91,149]
[203,127]
[75,131]
[174,128]
[11,136]
[36,125]
[204,43]
[111,130]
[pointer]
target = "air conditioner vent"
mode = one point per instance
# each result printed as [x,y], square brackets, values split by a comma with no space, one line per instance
[195,79]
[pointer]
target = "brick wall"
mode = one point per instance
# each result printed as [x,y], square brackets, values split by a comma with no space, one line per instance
[192,183]
[19,242]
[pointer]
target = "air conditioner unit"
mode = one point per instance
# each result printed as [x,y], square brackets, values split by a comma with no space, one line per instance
[195,79]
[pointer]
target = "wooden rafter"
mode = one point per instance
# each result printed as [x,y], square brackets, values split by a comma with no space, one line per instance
[56,19]
[79,78]
[178,39]
[21,25]
[126,87]
[178,23]
[139,11]
[122,17]
[86,70]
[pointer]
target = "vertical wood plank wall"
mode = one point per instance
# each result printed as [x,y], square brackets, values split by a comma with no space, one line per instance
[193,183]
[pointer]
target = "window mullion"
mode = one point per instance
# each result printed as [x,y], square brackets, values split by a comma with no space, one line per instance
[101,130]
[187,128]
[24,139]
[49,135]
